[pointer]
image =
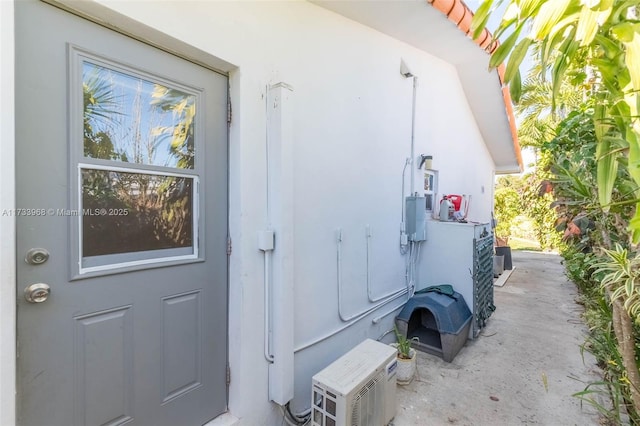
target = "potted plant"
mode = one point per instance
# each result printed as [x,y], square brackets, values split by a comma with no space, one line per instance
[406,358]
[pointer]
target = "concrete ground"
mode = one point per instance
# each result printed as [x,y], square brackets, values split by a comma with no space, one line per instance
[524,366]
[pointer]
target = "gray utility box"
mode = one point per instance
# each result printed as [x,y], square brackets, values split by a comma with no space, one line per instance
[439,321]
[416,226]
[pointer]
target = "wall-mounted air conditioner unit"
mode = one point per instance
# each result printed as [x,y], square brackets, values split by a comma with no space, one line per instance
[358,389]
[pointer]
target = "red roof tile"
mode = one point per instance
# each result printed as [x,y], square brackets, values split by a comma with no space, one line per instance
[457,11]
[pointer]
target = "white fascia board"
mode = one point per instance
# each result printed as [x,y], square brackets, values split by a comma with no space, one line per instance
[484,94]
[414,22]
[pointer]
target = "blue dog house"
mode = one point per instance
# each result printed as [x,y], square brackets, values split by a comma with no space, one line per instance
[439,319]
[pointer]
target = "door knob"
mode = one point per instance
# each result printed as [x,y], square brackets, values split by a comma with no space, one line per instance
[37,293]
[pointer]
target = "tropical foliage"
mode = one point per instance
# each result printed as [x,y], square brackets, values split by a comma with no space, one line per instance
[537,119]
[99,105]
[537,125]
[508,206]
[611,395]
[594,46]
[522,208]
[182,133]
[622,273]
[606,277]
[601,38]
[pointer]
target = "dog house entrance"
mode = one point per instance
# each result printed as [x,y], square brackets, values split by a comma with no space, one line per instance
[422,325]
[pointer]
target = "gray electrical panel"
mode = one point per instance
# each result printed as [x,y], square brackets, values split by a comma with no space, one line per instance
[416,217]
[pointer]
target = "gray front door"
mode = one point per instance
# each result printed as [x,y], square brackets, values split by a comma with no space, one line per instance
[122,213]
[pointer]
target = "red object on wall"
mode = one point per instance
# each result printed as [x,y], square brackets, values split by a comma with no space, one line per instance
[456,200]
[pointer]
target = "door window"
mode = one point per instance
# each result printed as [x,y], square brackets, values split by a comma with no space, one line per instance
[129,118]
[137,153]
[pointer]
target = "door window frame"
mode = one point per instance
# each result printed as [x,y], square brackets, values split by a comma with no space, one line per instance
[133,259]
[130,261]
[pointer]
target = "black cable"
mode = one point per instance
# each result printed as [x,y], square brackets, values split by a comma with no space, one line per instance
[297,420]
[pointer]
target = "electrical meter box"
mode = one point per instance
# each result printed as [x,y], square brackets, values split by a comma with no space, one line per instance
[416,226]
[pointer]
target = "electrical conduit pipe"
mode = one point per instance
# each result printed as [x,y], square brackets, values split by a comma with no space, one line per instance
[349,318]
[267,305]
[371,298]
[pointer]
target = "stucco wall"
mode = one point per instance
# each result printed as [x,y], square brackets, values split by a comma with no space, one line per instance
[351,132]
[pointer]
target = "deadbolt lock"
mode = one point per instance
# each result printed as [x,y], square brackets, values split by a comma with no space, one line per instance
[37,293]
[36,256]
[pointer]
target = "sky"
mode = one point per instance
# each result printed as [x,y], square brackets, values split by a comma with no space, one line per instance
[493,23]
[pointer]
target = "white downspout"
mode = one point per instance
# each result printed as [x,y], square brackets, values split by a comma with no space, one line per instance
[281,208]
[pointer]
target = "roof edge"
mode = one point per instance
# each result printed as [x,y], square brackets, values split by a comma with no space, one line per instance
[460,14]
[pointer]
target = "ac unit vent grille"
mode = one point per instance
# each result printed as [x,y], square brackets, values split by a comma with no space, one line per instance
[367,405]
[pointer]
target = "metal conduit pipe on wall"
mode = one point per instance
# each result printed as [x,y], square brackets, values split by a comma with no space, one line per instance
[267,307]
[349,321]
[410,284]
[267,250]
[366,311]
[347,325]
[371,298]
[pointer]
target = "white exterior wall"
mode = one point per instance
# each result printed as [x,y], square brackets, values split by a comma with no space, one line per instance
[351,132]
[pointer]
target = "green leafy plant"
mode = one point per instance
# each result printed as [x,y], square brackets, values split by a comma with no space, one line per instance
[594,392]
[608,394]
[523,213]
[404,344]
[596,45]
[622,273]
[508,205]
[612,395]
[600,259]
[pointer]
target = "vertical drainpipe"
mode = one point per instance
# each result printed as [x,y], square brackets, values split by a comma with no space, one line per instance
[281,208]
[413,134]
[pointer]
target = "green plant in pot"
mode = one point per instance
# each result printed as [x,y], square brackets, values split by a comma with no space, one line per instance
[406,358]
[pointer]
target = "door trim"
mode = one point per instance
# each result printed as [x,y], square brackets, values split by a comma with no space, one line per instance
[108,18]
[8,319]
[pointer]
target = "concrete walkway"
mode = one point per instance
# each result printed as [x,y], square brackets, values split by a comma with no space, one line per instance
[522,369]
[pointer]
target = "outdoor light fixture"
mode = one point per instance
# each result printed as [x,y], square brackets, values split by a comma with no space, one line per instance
[404,69]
